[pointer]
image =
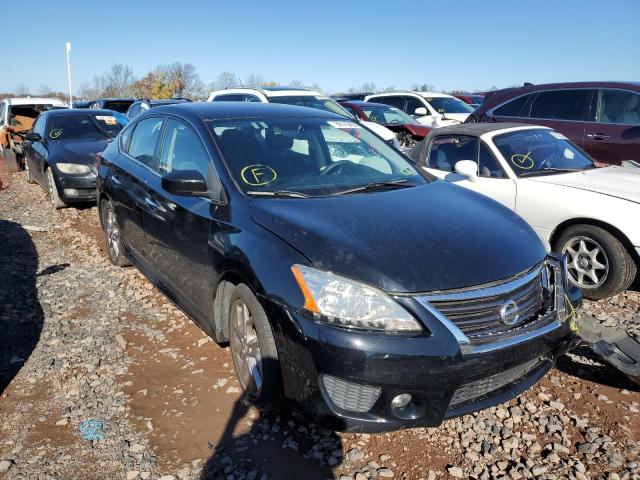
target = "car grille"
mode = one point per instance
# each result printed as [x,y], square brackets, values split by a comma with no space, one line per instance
[476,311]
[475,391]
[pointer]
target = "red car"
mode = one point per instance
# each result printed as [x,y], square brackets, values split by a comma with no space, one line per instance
[473,99]
[407,128]
[601,117]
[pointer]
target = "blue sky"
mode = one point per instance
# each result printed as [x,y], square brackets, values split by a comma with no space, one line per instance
[462,44]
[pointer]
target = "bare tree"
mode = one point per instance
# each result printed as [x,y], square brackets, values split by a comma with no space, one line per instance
[118,81]
[22,90]
[224,80]
[422,87]
[390,88]
[184,79]
[43,89]
[254,80]
[296,83]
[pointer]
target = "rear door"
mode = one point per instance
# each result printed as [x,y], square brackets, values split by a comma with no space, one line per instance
[129,172]
[615,135]
[36,153]
[178,227]
[447,150]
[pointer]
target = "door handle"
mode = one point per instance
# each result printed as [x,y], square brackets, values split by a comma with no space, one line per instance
[151,203]
[116,180]
[597,136]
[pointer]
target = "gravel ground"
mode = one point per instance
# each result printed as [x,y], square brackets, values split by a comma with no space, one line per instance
[84,344]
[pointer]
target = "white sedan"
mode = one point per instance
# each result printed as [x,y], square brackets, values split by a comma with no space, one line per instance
[589,213]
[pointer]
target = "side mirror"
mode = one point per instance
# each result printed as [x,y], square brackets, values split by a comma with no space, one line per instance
[184,183]
[467,168]
[421,111]
[33,137]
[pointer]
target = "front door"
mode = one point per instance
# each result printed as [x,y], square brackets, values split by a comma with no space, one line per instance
[178,228]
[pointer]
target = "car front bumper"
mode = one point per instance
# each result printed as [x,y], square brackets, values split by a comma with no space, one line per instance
[77,188]
[324,367]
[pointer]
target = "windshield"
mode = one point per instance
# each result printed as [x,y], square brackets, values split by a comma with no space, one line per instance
[538,152]
[387,115]
[449,105]
[321,103]
[309,156]
[84,127]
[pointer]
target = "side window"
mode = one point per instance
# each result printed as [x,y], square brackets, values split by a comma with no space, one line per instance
[125,137]
[562,105]
[182,150]
[397,102]
[144,140]
[448,150]
[488,166]
[618,106]
[251,98]
[38,127]
[230,97]
[412,104]
[3,107]
[518,107]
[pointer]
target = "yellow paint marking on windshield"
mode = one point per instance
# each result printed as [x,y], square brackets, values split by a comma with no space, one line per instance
[524,162]
[256,175]
[56,133]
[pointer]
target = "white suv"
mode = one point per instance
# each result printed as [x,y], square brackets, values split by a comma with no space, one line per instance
[16,117]
[429,108]
[301,97]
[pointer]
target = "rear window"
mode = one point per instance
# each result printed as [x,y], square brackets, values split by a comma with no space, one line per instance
[118,106]
[562,105]
[518,107]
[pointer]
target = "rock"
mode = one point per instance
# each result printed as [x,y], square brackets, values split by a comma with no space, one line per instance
[539,470]
[354,455]
[5,465]
[455,472]
[384,458]
[132,474]
[556,405]
[385,473]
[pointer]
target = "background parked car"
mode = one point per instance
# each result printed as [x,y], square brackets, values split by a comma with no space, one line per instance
[118,104]
[407,128]
[60,151]
[347,97]
[590,214]
[82,103]
[601,117]
[16,118]
[302,97]
[429,108]
[291,232]
[140,106]
[473,99]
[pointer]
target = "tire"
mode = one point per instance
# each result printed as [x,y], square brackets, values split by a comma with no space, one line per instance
[614,267]
[266,390]
[30,178]
[53,190]
[115,247]
[11,159]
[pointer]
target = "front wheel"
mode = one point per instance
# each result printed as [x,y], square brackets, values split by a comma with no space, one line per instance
[30,178]
[598,263]
[53,190]
[253,348]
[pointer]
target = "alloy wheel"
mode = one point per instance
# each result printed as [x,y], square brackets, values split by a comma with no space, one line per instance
[588,264]
[245,349]
[50,186]
[113,234]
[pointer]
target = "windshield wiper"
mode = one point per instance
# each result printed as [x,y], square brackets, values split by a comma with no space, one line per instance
[279,194]
[550,170]
[370,187]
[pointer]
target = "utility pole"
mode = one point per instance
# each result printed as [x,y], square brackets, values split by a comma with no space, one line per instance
[69,73]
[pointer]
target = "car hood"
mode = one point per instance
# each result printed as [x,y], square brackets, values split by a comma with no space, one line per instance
[77,151]
[380,130]
[614,181]
[433,237]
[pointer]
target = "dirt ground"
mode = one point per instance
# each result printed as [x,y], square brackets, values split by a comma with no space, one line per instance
[172,406]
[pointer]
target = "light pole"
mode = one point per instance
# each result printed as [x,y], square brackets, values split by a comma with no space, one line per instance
[69,73]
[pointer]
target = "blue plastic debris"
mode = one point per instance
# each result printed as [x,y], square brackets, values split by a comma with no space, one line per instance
[92,429]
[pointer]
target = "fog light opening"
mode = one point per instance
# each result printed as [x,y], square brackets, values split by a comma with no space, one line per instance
[71,192]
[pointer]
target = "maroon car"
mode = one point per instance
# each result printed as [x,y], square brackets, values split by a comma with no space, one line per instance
[601,117]
[473,99]
[407,128]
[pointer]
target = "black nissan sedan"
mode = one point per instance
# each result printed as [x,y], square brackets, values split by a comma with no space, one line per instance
[371,294]
[60,151]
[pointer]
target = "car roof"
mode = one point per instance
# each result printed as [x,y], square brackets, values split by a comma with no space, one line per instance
[505,94]
[78,111]
[269,91]
[362,103]
[422,94]
[35,101]
[477,129]
[116,99]
[229,110]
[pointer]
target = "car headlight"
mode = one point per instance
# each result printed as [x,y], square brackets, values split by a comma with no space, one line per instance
[73,168]
[346,303]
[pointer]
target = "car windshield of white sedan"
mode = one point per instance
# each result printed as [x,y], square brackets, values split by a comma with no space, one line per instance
[388,115]
[289,157]
[541,152]
[77,127]
[449,105]
[321,103]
